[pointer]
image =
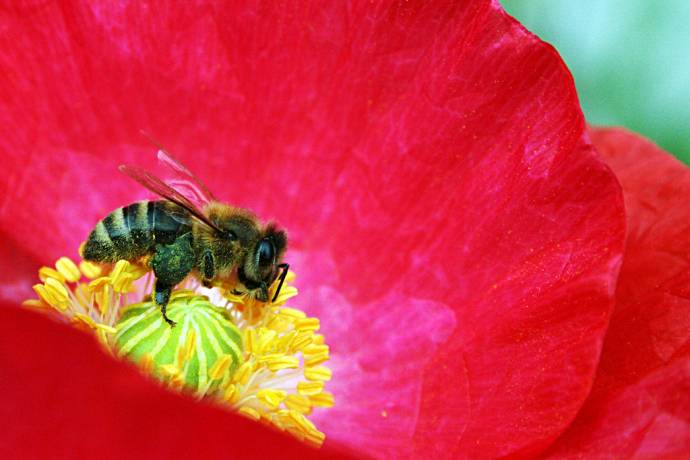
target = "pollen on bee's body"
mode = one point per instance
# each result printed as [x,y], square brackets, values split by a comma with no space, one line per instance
[262,360]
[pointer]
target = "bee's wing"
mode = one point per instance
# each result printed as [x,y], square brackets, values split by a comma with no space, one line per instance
[159,187]
[186,182]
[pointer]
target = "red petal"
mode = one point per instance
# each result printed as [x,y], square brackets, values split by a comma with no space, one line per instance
[18,270]
[432,155]
[62,394]
[639,406]
[378,349]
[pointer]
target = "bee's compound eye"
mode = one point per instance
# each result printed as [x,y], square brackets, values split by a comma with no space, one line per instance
[267,252]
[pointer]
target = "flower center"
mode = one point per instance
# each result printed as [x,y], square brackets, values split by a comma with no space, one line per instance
[200,353]
[263,360]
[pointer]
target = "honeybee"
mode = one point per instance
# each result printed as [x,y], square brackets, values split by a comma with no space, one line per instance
[177,237]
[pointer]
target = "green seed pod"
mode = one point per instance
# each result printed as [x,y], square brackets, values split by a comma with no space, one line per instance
[201,351]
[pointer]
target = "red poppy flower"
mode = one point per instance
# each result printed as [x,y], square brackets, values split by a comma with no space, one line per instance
[450,225]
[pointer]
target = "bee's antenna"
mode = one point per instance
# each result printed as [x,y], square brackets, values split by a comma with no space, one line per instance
[285,268]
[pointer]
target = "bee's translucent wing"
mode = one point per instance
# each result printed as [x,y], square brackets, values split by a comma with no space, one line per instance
[182,180]
[186,180]
[159,187]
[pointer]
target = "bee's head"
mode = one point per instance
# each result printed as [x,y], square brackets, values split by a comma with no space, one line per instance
[263,263]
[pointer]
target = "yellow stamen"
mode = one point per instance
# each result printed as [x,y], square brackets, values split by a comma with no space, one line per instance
[272,398]
[147,364]
[120,268]
[250,412]
[302,340]
[189,346]
[277,362]
[309,388]
[68,269]
[100,283]
[323,399]
[82,318]
[170,370]
[298,403]
[46,272]
[291,313]
[106,328]
[307,324]
[269,369]
[57,289]
[230,395]
[44,295]
[315,349]
[315,360]
[244,373]
[34,303]
[315,437]
[220,367]
[320,373]
[90,270]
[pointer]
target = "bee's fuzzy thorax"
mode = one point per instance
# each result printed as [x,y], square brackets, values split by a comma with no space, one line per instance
[228,251]
[225,215]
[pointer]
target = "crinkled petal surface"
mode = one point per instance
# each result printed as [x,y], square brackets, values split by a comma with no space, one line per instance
[640,402]
[447,219]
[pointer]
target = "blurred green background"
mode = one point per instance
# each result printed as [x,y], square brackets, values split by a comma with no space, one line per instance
[630,60]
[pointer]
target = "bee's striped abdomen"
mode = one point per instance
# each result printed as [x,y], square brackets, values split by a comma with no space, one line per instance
[136,216]
[132,231]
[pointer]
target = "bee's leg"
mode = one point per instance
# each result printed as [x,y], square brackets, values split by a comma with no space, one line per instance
[285,268]
[207,268]
[162,297]
[171,263]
